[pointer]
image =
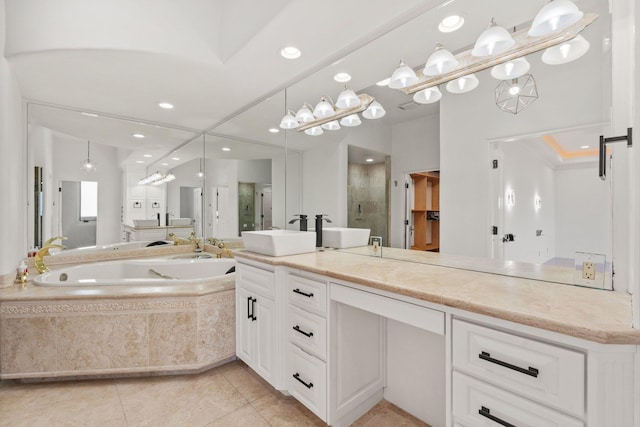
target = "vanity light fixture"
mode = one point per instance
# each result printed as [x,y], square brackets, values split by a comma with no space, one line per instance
[403,77]
[463,84]
[137,135]
[165,105]
[342,77]
[504,52]
[334,114]
[332,125]
[428,96]
[441,61]
[451,23]
[304,114]
[555,16]
[290,52]
[88,166]
[493,40]
[566,52]
[324,109]
[511,69]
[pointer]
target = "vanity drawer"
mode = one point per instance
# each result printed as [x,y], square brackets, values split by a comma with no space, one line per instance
[308,331]
[308,294]
[257,279]
[544,372]
[307,379]
[476,403]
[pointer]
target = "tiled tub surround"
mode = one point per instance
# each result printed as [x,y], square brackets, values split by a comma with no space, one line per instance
[116,330]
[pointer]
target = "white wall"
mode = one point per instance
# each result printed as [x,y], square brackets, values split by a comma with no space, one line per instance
[415,147]
[13,210]
[528,176]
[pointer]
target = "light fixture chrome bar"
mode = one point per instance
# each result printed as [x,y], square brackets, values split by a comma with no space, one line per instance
[524,45]
[365,101]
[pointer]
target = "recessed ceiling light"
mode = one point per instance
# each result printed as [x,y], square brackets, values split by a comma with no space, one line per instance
[451,23]
[139,161]
[342,77]
[274,130]
[384,82]
[137,135]
[226,149]
[165,105]
[147,155]
[290,52]
[175,158]
[164,164]
[369,160]
[89,114]
[585,146]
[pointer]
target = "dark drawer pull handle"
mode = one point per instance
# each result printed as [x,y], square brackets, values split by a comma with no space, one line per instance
[485,412]
[298,291]
[307,385]
[306,334]
[531,371]
[253,309]
[249,305]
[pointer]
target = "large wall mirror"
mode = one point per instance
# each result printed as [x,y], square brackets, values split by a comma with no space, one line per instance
[269,175]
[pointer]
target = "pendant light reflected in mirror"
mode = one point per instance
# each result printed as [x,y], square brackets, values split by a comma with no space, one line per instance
[304,114]
[402,77]
[493,40]
[347,99]
[441,61]
[374,111]
[351,121]
[333,125]
[555,16]
[289,121]
[323,109]
[88,166]
[511,69]
[314,131]
[464,84]
[427,96]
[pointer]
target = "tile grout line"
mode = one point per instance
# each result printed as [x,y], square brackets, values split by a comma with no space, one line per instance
[124,413]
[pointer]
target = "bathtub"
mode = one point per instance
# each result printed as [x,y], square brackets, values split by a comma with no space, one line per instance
[133,272]
[112,247]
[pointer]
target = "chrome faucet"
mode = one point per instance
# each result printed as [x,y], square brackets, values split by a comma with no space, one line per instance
[39,258]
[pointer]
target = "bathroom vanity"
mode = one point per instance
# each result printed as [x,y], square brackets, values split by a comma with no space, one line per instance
[340,331]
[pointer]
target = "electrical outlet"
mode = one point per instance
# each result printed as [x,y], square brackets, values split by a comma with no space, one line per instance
[588,270]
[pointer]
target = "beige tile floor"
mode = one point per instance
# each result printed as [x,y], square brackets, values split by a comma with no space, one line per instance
[230,395]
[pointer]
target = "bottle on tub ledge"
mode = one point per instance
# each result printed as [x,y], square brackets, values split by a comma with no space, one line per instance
[22,273]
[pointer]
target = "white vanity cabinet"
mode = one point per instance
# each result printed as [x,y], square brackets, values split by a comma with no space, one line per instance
[513,380]
[307,342]
[256,320]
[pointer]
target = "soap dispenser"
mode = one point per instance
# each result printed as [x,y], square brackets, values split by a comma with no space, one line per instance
[303,221]
[319,219]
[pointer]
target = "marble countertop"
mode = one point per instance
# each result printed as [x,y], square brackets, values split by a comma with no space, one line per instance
[591,314]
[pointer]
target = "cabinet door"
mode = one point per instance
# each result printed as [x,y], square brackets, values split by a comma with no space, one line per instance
[264,358]
[244,326]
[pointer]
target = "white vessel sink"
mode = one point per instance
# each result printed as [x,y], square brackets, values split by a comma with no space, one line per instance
[180,221]
[342,237]
[145,222]
[279,242]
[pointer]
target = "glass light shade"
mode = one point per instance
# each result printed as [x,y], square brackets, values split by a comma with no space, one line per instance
[464,84]
[348,99]
[314,131]
[289,121]
[427,96]
[511,69]
[492,41]
[402,77]
[350,121]
[323,109]
[566,52]
[304,114]
[333,125]
[514,95]
[440,62]
[555,16]
[88,166]
[374,111]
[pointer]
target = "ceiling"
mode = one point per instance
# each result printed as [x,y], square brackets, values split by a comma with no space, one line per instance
[218,62]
